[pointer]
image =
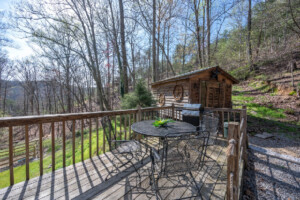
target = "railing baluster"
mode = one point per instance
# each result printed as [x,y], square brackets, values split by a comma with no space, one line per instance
[120,134]
[115,131]
[125,127]
[11,159]
[41,149]
[27,152]
[97,127]
[90,138]
[64,143]
[73,141]
[129,124]
[53,146]
[222,125]
[82,140]
[110,128]
[228,117]
[103,145]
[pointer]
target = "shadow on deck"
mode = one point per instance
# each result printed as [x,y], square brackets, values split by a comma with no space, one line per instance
[91,179]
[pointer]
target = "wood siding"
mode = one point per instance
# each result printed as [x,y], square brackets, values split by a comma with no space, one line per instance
[168,88]
[198,88]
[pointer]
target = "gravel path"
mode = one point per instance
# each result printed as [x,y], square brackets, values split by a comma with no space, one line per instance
[269,176]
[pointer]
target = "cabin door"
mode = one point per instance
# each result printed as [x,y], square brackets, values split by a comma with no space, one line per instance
[212,94]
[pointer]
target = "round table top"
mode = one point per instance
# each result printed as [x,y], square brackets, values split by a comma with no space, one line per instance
[175,128]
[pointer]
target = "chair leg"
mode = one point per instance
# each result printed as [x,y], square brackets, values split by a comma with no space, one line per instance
[198,189]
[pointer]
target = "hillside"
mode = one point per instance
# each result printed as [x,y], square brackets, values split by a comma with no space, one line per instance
[272,101]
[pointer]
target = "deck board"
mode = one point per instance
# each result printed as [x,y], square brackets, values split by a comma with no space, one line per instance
[86,180]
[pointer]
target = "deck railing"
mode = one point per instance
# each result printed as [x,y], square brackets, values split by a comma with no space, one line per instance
[85,128]
[77,123]
[236,155]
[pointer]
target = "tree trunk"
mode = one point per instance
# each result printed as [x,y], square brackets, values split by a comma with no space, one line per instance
[117,50]
[203,33]
[208,30]
[153,43]
[250,59]
[198,37]
[158,44]
[123,47]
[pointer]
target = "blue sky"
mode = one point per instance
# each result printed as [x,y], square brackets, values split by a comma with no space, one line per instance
[4,4]
[19,48]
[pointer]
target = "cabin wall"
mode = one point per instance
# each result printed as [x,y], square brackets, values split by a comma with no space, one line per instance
[168,88]
[199,88]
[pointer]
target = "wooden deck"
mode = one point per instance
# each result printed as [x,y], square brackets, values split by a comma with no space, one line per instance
[87,180]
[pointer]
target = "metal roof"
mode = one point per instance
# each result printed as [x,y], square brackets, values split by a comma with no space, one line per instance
[199,71]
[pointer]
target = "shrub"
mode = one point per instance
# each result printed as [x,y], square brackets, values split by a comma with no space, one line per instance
[140,96]
[241,73]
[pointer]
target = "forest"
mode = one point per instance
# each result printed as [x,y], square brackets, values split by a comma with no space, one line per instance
[77,76]
[87,54]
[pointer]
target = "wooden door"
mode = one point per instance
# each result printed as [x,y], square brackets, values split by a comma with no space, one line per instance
[212,94]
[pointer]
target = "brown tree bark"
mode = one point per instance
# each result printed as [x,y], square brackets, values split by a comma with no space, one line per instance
[123,47]
[154,72]
[249,28]
[198,37]
[208,30]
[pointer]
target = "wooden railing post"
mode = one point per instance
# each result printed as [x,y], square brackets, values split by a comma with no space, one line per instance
[173,111]
[11,159]
[73,141]
[97,136]
[64,143]
[27,151]
[232,161]
[41,149]
[139,118]
[82,140]
[139,113]
[90,138]
[53,146]
[245,125]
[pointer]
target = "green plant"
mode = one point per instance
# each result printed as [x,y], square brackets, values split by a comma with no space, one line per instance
[261,77]
[140,96]
[257,110]
[292,93]
[161,122]
[241,73]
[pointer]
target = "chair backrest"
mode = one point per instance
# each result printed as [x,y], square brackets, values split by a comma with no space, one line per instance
[109,132]
[209,122]
[185,152]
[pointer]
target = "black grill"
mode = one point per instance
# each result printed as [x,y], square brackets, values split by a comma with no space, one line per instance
[191,113]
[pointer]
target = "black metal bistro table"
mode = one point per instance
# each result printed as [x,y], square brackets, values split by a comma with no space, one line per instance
[172,129]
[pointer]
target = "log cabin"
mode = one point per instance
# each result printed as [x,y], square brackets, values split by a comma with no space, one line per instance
[211,87]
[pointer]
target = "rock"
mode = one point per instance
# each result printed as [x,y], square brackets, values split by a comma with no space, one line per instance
[264,135]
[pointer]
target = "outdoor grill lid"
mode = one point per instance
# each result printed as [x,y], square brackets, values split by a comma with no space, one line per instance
[191,110]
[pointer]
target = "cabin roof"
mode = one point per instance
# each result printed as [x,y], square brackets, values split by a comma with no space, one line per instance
[199,71]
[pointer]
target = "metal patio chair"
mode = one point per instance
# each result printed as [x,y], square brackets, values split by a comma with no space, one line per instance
[180,156]
[126,153]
